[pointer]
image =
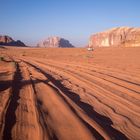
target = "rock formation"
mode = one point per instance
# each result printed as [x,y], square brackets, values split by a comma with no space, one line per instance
[121,36]
[8,41]
[55,42]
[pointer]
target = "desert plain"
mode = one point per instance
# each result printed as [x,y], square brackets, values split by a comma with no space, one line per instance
[70,93]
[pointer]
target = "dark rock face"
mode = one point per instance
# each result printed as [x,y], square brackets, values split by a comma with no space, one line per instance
[8,41]
[55,42]
[125,36]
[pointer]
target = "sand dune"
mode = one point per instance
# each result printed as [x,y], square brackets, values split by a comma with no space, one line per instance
[70,94]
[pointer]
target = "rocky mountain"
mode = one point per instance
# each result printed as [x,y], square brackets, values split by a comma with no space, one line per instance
[8,41]
[55,42]
[121,36]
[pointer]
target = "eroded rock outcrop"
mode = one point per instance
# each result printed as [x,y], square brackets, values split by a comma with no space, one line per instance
[55,42]
[121,36]
[8,41]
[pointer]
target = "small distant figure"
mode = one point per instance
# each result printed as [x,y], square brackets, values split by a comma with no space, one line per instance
[90,49]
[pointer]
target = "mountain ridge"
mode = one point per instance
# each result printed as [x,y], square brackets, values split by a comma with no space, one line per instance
[119,36]
[55,42]
[8,41]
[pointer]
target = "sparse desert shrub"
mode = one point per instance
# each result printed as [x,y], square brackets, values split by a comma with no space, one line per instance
[1,58]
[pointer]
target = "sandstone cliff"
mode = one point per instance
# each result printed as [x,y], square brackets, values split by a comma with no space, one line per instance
[8,41]
[55,42]
[121,36]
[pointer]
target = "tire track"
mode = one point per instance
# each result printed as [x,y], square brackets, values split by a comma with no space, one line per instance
[91,82]
[100,70]
[115,112]
[101,120]
[47,134]
[5,91]
[45,84]
[10,117]
[21,118]
[124,83]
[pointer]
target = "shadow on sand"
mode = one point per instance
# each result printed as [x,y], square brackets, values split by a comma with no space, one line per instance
[103,121]
[17,83]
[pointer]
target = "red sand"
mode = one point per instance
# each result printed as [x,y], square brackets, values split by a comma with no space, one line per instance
[70,94]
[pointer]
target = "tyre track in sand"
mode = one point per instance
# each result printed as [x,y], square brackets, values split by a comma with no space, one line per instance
[125,121]
[54,109]
[26,114]
[6,78]
[104,75]
[21,117]
[10,118]
[102,120]
[88,78]
[106,83]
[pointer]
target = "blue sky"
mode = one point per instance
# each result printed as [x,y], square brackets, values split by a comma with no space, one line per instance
[75,20]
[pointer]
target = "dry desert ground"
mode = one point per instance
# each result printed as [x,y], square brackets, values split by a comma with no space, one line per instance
[69,94]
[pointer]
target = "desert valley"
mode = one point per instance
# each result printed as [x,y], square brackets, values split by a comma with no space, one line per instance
[56,91]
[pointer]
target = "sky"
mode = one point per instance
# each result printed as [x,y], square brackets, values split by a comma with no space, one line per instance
[34,20]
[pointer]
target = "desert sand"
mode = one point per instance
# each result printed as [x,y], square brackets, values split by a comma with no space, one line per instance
[69,94]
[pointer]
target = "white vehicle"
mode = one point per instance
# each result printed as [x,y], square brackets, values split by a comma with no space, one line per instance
[90,49]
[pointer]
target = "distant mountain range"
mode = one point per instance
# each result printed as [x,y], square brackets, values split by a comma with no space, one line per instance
[55,42]
[122,36]
[8,41]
